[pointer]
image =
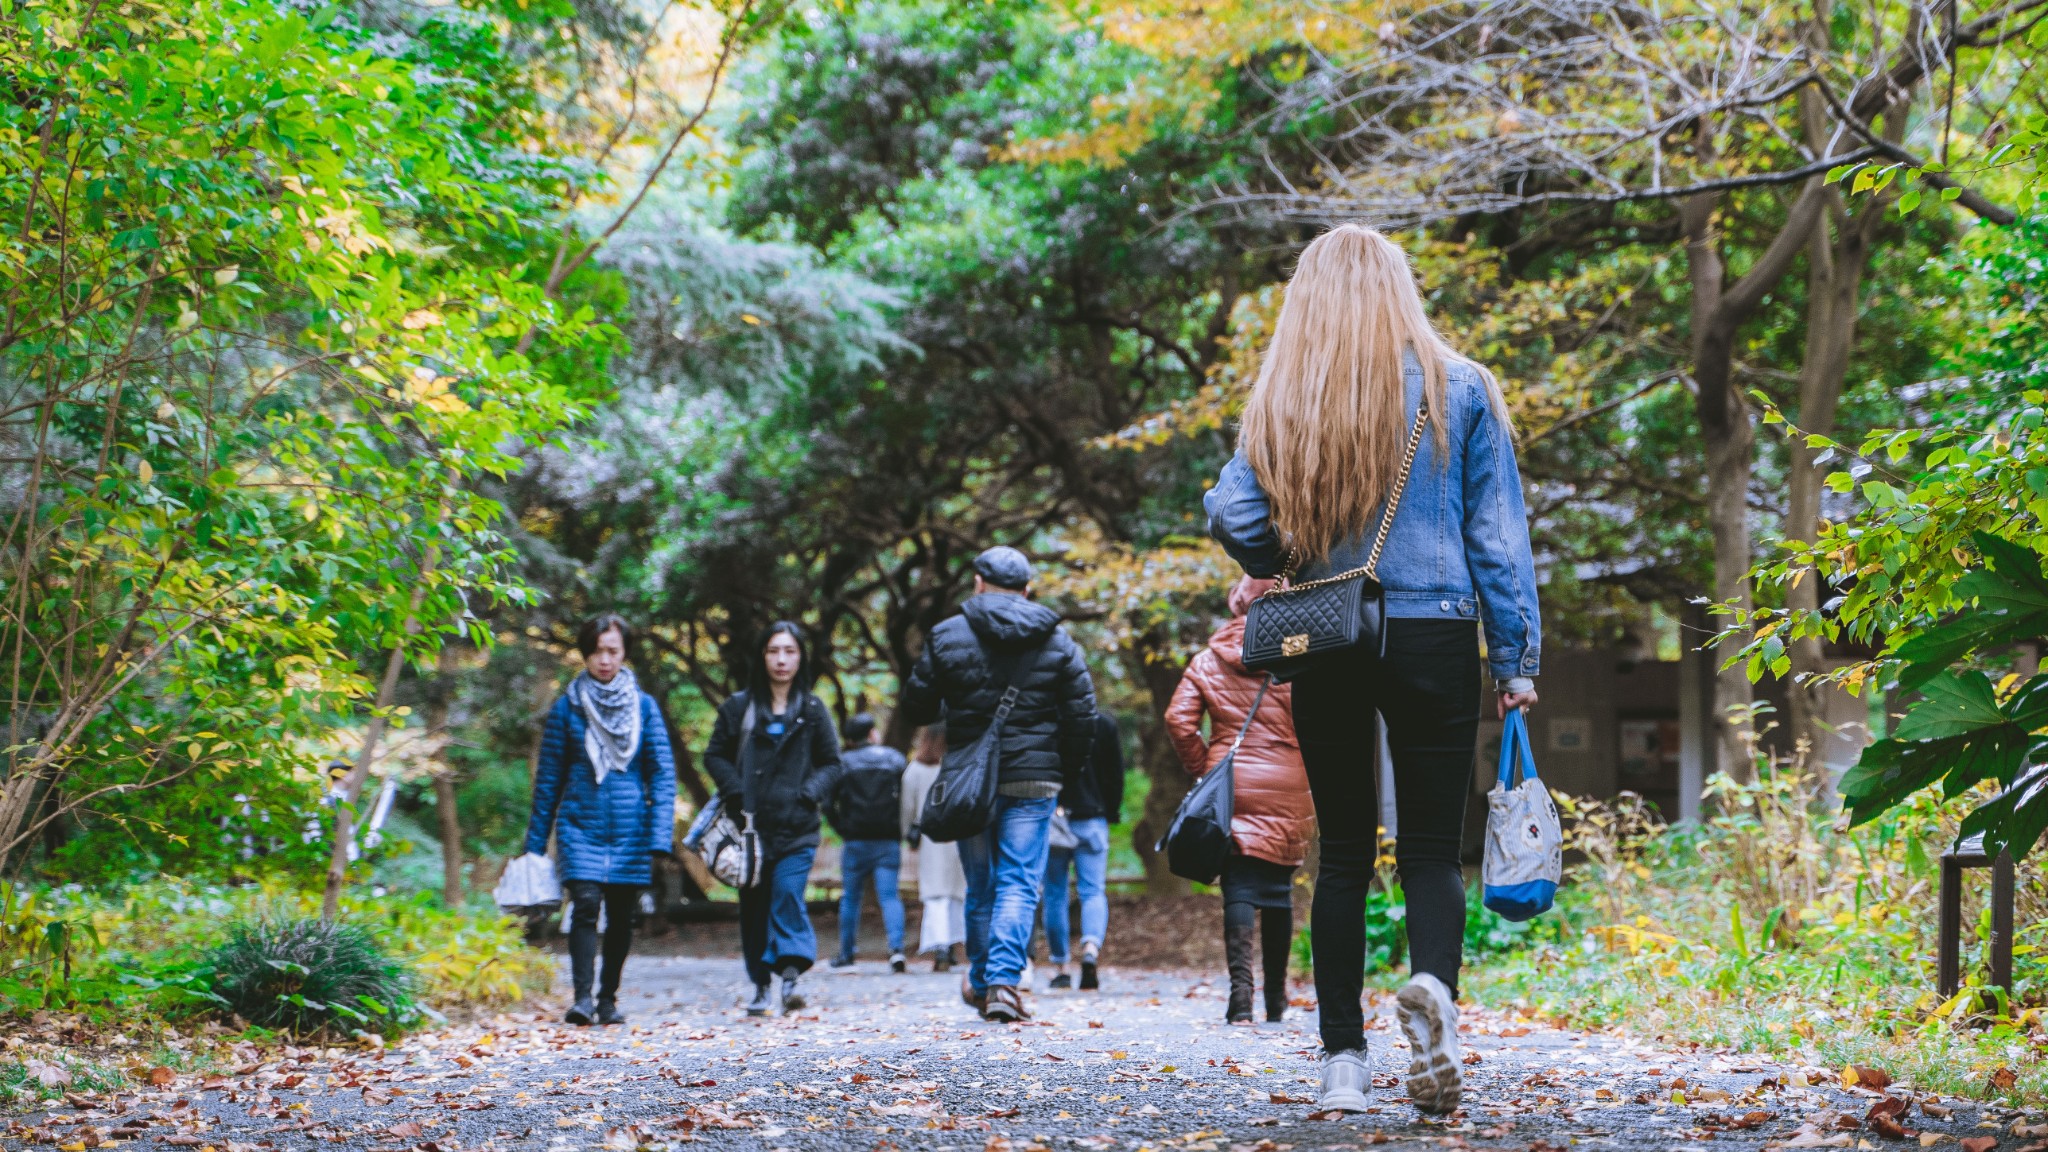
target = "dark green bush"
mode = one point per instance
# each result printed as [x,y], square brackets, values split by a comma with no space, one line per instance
[308,975]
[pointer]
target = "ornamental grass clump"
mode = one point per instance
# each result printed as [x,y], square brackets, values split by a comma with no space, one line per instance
[308,975]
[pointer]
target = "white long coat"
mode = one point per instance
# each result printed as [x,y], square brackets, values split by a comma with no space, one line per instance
[938,865]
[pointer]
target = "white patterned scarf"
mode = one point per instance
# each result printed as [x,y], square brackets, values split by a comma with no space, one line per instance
[611,714]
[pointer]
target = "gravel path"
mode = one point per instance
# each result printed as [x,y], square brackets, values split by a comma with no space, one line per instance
[881,1062]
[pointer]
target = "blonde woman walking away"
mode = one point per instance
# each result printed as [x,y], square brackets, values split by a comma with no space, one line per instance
[1271,815]
[1353,371]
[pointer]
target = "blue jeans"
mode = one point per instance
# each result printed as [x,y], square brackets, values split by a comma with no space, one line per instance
[1090,861]
[860,859]
[1005,867]
[775,926]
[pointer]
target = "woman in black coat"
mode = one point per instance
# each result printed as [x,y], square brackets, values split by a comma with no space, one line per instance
[774,754]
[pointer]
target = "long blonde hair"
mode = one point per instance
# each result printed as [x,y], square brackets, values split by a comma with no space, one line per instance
[1326,424]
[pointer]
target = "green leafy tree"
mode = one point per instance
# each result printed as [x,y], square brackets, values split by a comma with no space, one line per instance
[255,354]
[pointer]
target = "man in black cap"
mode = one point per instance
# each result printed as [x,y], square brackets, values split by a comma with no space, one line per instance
[1002,639]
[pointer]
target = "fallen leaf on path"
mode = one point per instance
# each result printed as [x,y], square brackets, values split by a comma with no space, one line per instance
[1859,1076]
[1937,1111]
[1978,1143]
[408,1130]
[1284,1098]
[162,1077]
[1810,1136]
[2002,1080]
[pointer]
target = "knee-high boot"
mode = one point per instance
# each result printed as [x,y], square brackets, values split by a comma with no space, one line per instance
[1239,933]
[1276,941]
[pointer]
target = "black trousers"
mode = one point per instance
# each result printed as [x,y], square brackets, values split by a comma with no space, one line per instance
[621,906]
[1427,689]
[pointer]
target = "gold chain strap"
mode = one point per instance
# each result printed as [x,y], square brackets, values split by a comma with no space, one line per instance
[1379,542]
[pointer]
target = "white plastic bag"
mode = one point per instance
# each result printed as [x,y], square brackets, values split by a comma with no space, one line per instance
[1524,842]
[529,882]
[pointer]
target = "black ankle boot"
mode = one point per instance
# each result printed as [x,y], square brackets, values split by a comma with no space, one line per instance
[1240,1009]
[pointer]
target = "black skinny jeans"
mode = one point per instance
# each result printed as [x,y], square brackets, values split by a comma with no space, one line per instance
[1427,689]
[621,905]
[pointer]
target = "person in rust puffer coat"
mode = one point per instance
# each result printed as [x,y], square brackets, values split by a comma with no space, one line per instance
[1271,813]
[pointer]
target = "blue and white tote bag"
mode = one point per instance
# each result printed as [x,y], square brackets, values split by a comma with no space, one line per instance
[1524,842]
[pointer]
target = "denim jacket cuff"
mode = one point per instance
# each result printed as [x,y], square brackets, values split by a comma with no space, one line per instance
[1508,665]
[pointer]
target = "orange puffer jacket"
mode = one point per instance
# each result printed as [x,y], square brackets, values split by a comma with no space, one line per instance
[1272,813]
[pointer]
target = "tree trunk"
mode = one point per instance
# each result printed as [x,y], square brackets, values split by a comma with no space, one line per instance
[1152,664]
[451,838]
[352,784]
[1719,310]
[444,778]
[1835,270]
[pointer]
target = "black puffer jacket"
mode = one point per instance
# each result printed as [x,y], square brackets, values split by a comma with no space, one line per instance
[791,776]
[1100,790]
[868,802]
[1049,729]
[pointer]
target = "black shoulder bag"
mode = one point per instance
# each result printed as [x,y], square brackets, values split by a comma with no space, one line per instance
[1197,843]
[1287,629]
[962,801]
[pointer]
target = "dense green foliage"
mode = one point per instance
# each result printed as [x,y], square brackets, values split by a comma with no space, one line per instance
[256,358]
[1771,928]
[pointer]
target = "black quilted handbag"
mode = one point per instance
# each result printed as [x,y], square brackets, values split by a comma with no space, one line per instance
[1288,629]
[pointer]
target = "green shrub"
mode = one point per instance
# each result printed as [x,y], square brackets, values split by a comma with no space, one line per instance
[306,975]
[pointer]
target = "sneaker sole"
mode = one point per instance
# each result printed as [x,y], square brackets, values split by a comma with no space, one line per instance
[1342,1102]
[1435,1082]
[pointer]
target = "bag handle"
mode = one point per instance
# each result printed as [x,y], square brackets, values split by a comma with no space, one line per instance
[1514,738]
[1009,699]
[1246,728]
[746,767]
[1371,568]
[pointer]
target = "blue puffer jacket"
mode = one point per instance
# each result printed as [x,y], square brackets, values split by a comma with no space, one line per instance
[1459,545]
[611,831]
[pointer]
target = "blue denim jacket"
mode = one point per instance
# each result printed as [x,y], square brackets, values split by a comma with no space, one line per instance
[1459,546]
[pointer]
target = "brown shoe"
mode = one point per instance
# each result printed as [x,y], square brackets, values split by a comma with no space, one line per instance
[968,996]
[1005,1005]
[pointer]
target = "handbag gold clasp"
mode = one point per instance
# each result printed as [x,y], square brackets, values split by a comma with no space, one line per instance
[1294,645]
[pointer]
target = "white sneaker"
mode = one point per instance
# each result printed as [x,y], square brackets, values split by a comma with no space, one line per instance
[1346,1079]
[1429,1018]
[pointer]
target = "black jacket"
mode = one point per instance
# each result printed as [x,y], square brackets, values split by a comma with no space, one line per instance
[1049,729]
[791,776]
[1099,793]
[867,804]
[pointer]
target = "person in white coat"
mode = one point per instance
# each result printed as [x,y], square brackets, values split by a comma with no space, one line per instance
[941,881]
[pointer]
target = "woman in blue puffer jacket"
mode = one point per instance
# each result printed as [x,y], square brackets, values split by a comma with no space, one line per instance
[607,773]
[1355,374]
